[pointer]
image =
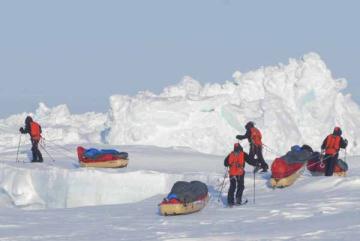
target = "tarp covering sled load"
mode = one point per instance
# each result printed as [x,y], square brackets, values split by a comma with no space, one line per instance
[317,168]
[184,198]
[286,169]
[101,158]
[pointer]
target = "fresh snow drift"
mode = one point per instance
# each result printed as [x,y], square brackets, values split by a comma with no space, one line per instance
[292,104]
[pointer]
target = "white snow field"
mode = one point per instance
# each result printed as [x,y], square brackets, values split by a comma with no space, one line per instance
[184,133]
[59,201]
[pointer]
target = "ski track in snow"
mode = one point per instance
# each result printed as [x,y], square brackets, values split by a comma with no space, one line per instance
[314,208]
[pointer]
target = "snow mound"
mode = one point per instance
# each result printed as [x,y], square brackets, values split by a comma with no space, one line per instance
[291,104]
[58,125]
[54,187]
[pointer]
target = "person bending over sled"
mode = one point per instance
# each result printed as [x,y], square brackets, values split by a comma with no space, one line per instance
[254,137]
[331,146]
[34,129]
[236,163]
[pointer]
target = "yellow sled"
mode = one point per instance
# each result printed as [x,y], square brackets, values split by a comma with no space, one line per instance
[181,208]
[106,164]
[286,181]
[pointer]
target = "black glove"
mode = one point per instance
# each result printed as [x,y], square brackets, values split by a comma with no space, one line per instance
[238,137]
[346,141]
[21,130]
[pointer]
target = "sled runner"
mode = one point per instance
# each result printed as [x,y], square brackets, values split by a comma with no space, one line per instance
[102,158]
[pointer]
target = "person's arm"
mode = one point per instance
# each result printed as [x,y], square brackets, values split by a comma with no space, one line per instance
[242,137]
[26,130]
[323,146]
[226,161]
[343,143]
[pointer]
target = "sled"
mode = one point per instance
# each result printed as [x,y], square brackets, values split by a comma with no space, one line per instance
[104,159]
[318,169]
[339,174]
[286,181]
[168,208]
[105,164]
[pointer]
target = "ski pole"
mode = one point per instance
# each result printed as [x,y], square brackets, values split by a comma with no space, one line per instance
[254,189]
[345,155]
[222,185]
[47,152]
[17,153]
[271,150]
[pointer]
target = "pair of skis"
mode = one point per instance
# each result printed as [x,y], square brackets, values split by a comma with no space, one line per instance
[238,205]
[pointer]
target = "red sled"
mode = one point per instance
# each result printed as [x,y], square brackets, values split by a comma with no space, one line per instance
[286,169]
[317,168]
[101,160]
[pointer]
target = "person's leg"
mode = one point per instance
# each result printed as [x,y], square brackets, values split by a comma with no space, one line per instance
[240,188]
[231,190]
[34,149]
[39,155]
[252,153]
[260,157]
[330,164]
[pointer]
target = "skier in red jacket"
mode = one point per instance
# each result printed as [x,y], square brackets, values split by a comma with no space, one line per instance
[254,137]
[34,129]
[236,163]
[331,146]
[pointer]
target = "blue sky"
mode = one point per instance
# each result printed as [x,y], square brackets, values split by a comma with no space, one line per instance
[81,52]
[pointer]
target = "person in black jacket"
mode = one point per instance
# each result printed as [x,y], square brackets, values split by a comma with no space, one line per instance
[34,129]
[254,137]
[331,146]
[236,163]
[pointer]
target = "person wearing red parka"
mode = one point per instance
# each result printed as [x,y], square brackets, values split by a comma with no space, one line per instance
[235,161]
[254,137]
[331,147]
[34,130]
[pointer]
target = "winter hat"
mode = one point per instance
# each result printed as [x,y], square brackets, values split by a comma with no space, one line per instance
[28,120]
[337,131]
[249,125]
[237,147]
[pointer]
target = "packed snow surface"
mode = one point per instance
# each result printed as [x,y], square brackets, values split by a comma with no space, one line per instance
[291,104]
[33,197]
[63,184]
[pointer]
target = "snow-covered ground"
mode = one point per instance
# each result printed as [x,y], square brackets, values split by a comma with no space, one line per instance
[184,133]
[34,198]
